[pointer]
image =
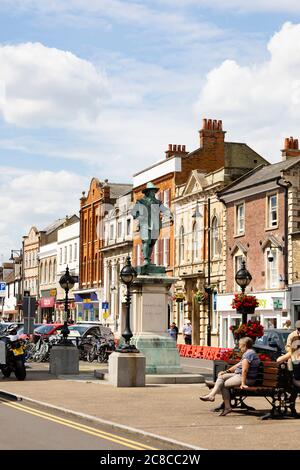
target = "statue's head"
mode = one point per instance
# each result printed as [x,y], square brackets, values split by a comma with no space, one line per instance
[150,190]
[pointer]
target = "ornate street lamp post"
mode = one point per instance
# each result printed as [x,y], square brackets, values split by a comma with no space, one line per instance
[67,283]
[243,279]
[127,276]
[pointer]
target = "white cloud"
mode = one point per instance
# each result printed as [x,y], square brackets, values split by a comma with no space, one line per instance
[35,198]
[258,103]
[138,14]
[42,86]
[239,6]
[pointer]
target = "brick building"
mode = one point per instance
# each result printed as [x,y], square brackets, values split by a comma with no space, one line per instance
[93,207]
[171,176]
[213,153]
[262,212]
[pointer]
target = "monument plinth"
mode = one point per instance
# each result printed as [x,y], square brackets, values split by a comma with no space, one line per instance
[150,295]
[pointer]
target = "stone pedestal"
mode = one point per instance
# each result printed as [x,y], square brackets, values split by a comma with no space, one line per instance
[150,297]
[64,360]
[127,369]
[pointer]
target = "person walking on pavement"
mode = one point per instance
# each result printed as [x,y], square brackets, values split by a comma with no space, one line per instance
[187,332]
[173,331]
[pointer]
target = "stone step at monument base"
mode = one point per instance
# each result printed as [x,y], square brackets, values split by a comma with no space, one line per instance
[164,378]
[174,379]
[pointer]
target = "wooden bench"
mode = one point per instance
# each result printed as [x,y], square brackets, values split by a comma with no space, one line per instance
[274,383]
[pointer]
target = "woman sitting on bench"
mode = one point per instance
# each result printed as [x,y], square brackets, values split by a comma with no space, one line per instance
[242,374]
[293,354]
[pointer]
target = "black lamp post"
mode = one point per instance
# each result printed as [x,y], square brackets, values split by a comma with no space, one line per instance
[127,276]
[15,252]
[243,279]
[66,282]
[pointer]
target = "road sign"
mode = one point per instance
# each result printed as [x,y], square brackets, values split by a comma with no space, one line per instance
[104,305]
[105,315]
[29,308]
[2,289]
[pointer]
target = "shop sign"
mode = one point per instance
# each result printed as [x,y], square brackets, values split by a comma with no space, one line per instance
[47,302]
[262,303]
[53,293]
[105,315]
[277,303]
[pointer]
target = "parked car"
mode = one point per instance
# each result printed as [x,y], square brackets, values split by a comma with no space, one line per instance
[46,330]
[90,330]
[23,335]
[272,342]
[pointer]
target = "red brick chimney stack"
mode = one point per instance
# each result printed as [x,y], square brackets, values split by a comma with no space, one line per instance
[291,148]
[212,141]
[175,150]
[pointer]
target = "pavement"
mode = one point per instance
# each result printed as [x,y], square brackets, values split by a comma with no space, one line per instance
[170,411]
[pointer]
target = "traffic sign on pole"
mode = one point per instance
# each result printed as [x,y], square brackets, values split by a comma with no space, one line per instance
[29,308]
[2,289]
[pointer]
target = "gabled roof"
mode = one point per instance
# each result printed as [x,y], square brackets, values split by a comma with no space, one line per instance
[117,190]
[195,183]
[260,175]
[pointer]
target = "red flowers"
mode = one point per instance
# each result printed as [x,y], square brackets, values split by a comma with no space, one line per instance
[252,329]
[243,300]
[264,357]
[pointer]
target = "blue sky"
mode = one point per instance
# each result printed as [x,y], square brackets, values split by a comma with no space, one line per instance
[101,87]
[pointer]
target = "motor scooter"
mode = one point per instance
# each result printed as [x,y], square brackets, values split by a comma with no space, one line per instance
[12,356]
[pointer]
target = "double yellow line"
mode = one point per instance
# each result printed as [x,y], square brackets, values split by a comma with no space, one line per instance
[79,427]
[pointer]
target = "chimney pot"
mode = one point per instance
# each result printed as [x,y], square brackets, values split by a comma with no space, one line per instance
[183,148]
[209,124]
[220,125]
[174,148]
[179,148]
[286,143]
[170,146]
[215,125]
[296,144]
[204,124]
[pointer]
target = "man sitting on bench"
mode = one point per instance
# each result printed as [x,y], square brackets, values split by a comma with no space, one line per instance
[243,374]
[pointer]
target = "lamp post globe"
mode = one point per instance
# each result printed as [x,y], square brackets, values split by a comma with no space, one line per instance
[127,275]
[243,277]
[66,282]
[127,272]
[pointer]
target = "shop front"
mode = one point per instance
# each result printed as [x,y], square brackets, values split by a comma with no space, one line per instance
[295,302]
[60,311]
[87,306]
[271,312]
[47,309]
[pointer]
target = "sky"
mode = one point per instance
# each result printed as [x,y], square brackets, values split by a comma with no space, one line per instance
[99,88]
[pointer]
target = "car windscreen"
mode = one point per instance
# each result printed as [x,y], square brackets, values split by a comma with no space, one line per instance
[43,329]
[284,335]
[80,328]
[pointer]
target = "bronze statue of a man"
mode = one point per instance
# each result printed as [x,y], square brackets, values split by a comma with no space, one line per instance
[148,212]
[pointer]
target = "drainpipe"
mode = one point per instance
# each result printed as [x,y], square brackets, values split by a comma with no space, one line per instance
[286,185]
[208,290]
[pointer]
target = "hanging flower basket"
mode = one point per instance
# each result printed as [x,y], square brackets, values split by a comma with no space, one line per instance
[179,297]
[251,329]
[201,297]
[244,303]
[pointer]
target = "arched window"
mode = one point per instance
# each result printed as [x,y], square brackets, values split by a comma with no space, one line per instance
[214,238]
[54,271]
[84,269]
[181,244]
[42,273]
[50,272]
[195,242]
